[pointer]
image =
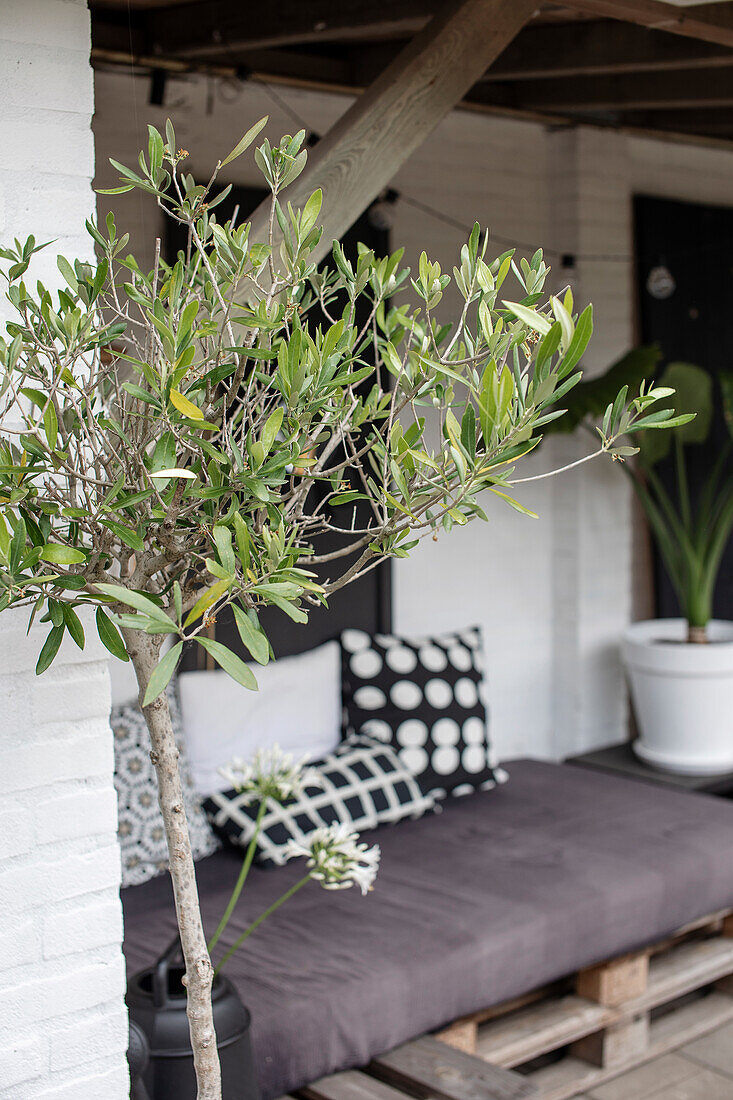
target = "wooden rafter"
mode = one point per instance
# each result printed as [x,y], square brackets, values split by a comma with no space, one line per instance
[587,48]
[605,62]
[334,70]
[364,149]
[709,126]
[630,92]
[601,46]
[707,22]
[706,122]
[220,27]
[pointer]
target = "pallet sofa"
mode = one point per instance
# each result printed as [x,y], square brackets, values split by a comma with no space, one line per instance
[500,895]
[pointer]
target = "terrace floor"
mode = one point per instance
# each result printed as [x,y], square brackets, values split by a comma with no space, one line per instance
[701,1070]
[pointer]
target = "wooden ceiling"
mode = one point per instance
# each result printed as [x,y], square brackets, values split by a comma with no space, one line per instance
[637,64]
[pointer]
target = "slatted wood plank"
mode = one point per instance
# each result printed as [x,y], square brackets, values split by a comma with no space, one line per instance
[429,1068]
[566,1078]
[689,1022]
[533,1031]
[525,1034]
[682,969]
[463,1033]
[350,1085]
[541,993]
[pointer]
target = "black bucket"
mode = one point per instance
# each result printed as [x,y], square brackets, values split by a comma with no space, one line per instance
[156,999]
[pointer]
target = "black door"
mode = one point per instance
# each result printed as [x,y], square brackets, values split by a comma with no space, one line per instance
[684,259]
[366,603]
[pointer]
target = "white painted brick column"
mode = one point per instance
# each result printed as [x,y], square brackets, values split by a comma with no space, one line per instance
[63,1024]
[592,516]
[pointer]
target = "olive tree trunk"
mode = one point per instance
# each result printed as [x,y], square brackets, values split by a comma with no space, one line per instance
[144,651]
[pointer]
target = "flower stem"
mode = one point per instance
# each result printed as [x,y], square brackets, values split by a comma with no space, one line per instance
[263,916]
[249,856]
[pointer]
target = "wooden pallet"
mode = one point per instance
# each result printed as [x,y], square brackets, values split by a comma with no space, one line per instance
[612,1016]
[604,1020]
[424,1068]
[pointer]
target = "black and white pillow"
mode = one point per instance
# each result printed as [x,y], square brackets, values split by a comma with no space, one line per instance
[140,825]
[361,783]
[422,696]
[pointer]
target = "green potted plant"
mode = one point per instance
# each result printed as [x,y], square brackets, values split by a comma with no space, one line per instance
[680,670]
[163,433]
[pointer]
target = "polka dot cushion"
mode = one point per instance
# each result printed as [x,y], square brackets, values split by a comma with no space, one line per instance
[422,696]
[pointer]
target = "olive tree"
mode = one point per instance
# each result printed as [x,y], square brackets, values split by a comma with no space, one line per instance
[163,433]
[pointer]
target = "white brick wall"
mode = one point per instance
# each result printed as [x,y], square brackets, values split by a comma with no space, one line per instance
[63,1025]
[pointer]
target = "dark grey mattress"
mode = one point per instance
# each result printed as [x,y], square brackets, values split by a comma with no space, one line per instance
[500,892]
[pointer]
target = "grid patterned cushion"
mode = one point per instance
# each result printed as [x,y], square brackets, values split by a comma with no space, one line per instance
[423,697]
[140,825]
[362,784]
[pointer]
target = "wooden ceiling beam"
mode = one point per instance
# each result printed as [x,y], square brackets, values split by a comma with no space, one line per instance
[598,47]
[710,122]
[361,153]
[220,27]
[539,75]
[632,91]
[680,127]
[601,46]
[333,70]
[706,22]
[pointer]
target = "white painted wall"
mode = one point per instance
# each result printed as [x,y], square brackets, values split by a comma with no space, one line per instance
[63,1024]
[553,595]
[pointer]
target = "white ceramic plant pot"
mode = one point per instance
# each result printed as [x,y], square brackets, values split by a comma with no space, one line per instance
[683,696]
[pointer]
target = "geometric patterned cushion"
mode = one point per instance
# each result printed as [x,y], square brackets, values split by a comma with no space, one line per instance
[423,697]
[361,783]
[140,825]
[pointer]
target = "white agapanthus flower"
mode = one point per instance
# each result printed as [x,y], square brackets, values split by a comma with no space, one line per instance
[336,858]
[271,773]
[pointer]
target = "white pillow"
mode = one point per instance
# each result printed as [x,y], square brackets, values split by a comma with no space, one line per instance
[298,706]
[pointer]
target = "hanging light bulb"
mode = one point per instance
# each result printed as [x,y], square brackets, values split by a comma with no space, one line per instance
[660,282]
